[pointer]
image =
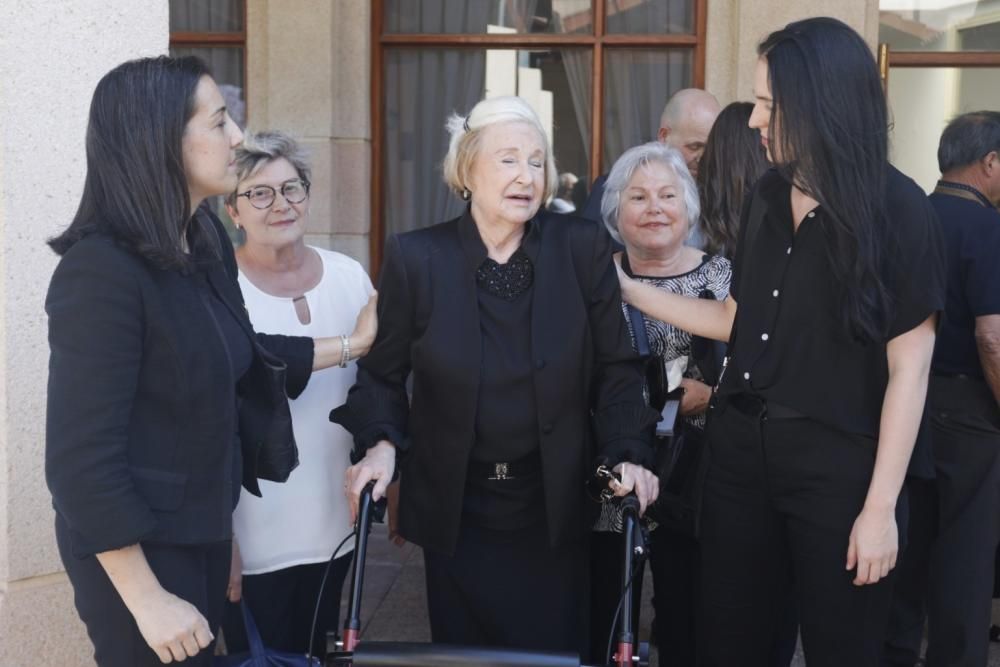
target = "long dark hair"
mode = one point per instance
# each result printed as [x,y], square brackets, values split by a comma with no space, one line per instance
[135,188]
[829,136]
[733,160]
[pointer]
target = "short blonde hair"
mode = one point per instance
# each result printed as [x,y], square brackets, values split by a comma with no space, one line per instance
[261,148]
[466,136]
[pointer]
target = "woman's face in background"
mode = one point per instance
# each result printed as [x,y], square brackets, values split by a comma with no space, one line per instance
[209,145]
[652,215]
[281,223]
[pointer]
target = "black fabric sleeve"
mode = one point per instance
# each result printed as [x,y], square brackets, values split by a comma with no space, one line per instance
[297,353]
[377,406]
[622,422]
[95,314]
[917,264]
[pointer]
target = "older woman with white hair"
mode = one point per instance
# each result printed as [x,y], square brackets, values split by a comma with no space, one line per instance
[509,320]
[650,205]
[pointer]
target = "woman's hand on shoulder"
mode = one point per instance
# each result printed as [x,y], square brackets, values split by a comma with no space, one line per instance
[636,478]
[378,465]
[365,327]
[173,628]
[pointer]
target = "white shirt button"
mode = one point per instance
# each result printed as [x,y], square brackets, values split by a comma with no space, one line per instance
[764,336]
[775,294]
[811,214]
[789,251]
[746,376]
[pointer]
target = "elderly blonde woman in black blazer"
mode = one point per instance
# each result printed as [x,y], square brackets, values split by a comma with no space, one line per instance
[159,392]
[509,319]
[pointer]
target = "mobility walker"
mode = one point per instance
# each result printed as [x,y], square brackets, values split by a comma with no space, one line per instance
[350,650]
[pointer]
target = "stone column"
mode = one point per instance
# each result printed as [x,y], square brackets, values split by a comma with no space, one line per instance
[735,27]
[309,75]
[51,57]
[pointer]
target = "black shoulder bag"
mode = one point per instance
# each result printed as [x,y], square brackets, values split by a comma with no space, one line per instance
[678,450]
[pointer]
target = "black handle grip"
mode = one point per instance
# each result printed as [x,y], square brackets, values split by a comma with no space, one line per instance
[630,505]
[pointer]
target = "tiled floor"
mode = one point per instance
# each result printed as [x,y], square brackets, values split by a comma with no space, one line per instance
[394,604]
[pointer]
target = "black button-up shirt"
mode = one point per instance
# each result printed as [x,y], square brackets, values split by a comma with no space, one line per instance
[790,345]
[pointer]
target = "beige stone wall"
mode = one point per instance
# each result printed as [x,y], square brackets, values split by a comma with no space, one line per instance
[308,74]
[735,27]
[51,56]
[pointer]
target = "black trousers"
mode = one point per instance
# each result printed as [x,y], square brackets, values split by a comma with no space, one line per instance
[948,568]
[283,603]
[673,562]
[198,574]
[782,495]
[509,588]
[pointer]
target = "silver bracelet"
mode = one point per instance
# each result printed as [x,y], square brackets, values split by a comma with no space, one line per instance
[345,350]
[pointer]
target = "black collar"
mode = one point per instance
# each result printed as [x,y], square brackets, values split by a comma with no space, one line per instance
[963,191]
[475,250]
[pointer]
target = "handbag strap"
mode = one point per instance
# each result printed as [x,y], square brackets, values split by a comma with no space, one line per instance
[253,635]
[638,331]
[636,319]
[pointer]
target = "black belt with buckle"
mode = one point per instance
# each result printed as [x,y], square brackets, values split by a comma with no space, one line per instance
[504,470]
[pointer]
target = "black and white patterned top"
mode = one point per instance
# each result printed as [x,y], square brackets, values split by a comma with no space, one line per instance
[667,341]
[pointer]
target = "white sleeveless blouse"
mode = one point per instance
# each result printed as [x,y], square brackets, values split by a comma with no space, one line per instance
[304,519]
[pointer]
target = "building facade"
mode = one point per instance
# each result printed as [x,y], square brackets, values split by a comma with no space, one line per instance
[312,67]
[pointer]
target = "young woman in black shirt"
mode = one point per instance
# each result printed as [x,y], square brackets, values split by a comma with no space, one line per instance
[839,274]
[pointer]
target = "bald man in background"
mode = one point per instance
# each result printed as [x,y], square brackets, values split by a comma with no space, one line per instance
[685,123]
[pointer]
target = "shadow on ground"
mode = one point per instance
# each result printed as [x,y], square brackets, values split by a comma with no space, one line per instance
[394,606]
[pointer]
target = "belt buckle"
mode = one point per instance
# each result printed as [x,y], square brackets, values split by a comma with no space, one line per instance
[501,471]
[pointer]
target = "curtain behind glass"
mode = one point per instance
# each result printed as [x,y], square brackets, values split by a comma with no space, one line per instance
[578,63]
[637,84]
[650,16]
[422,88]
[206,15]
[473,16]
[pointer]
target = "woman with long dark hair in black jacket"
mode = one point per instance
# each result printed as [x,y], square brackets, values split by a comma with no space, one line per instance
[838,275]
[160,394]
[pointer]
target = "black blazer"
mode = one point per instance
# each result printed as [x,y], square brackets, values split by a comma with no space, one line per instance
[429,323]
[141,405]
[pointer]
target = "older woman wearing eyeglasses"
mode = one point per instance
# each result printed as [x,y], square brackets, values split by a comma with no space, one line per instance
[286,537]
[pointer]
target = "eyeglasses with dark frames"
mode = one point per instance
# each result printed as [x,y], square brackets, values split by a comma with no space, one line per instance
[262,197]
